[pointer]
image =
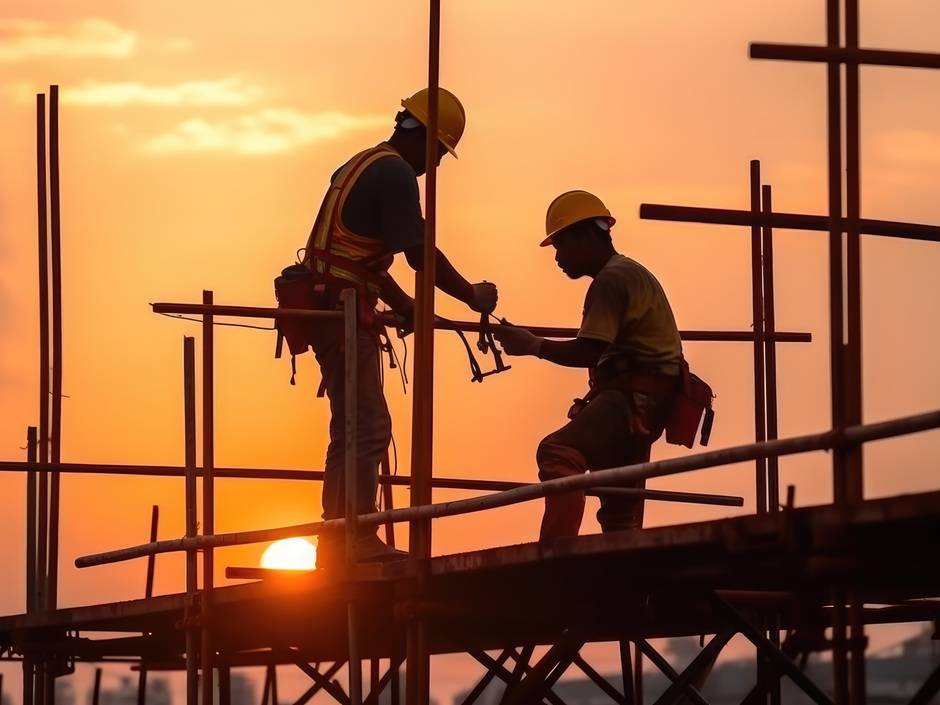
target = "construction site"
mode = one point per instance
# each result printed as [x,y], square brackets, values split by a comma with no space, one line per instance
[796,582]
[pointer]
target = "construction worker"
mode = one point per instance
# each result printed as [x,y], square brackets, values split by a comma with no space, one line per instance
[628,340]
[371,212]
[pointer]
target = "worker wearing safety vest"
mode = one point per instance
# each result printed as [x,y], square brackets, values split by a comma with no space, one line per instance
[628,340]
[371,212]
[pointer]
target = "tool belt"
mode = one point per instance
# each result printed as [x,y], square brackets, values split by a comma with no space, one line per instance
[298,287]
[691,396]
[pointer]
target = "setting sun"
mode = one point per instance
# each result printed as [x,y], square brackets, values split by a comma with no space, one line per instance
[290,554]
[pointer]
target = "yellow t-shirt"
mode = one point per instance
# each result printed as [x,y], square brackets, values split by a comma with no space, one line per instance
[626,307]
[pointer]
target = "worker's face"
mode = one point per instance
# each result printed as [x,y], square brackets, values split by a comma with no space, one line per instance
[572,250]
[418,147]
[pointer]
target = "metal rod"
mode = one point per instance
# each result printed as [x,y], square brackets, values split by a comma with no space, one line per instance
[638,676]
[96,688]
[388,499]
[208,499]
[351,457]
[578,483]
[835,54]
[626,674]
[757,313]
[31,572]
[56,424]
[786,221]
[691,692]
[770,349]
[189,416]
[148,593]
[448,325]
[44,366]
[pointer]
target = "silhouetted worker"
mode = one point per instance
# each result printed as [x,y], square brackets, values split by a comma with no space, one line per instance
[371,212]
[628,340]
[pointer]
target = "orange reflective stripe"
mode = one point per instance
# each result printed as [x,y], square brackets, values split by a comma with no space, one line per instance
[330,233]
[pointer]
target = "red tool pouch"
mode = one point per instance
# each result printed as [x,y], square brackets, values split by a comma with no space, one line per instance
[299,288]
[693,401]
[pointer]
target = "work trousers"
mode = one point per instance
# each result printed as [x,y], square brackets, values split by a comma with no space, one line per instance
[374,421]
[617,427]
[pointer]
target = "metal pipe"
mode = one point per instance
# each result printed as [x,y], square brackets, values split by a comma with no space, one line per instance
[786,221]
[770,350]
[578,483]
[445,324]
[189,424]
[31,454]
[56,425]
[418,682]
[148,593]
[834,54]
[96,688]
[351,458]
[388,500]
[208,498]
[757,314]
[44,371]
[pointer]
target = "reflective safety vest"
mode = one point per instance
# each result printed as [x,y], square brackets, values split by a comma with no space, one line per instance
[334,250]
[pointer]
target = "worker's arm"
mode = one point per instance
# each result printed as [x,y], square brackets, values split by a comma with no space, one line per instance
[395,297]
[480,297]
[579,352]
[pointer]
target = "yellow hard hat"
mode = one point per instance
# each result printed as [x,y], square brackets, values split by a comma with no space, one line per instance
[571,207]
[451,117]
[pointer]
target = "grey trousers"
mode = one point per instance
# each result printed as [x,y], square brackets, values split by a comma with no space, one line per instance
[374,422]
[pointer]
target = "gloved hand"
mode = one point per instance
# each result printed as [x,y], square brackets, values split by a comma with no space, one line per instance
[484,297]
[517,341]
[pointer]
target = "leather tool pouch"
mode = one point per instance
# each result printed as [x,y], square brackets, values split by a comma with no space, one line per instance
[693,401]
[299,288]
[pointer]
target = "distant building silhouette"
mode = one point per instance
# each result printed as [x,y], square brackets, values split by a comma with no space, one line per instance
[158,692]
[893,676]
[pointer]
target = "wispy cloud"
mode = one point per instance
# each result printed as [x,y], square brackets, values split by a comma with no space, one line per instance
[25,39]
[224,92]
[268,131]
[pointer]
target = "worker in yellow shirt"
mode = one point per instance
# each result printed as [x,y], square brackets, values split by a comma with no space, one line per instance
[630,343]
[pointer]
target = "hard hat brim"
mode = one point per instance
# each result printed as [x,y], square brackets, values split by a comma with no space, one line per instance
[548,240]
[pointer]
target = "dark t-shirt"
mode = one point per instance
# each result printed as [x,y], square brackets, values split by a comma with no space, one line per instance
[384,205]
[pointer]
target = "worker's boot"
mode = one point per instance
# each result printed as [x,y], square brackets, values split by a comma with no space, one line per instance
[331,550]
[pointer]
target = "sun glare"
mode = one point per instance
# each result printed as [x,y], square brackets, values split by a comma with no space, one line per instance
[290,554]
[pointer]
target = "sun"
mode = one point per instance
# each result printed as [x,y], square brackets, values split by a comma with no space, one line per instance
[290,554]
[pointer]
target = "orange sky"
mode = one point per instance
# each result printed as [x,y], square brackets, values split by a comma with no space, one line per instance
[197,139]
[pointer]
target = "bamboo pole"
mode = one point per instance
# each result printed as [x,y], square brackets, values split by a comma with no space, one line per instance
[148,593]
[757,312]
[579,483]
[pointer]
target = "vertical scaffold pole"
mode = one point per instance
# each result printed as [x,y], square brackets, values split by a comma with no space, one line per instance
[148,593]
[189,416]
[43,249]
[770,351]
[31,572]
[418,660]
[351,396]
[757,309]
[56,426]
[208,497]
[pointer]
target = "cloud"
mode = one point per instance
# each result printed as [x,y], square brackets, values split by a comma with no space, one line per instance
[268,131]
[226,92]
[22,39]
[25,39]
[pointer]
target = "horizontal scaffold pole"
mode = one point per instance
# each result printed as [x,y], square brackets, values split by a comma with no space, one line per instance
[850,436]
[718,336]
[844,55]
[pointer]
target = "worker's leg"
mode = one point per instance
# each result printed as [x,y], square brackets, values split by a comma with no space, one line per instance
[374,423]
[589,438]
[644,419]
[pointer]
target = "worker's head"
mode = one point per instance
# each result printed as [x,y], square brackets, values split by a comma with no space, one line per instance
[410,136]
[578,226]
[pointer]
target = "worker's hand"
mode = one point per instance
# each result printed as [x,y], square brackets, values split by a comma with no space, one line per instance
[517,341]
[484,297]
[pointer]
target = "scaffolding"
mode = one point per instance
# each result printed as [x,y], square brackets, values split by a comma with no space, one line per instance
[781,578]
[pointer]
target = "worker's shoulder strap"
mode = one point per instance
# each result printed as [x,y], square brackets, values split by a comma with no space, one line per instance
[330,213]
